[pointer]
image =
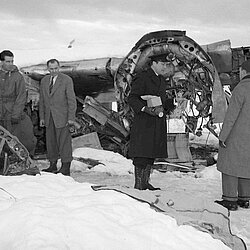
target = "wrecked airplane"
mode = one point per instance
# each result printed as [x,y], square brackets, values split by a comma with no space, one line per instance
[196,86]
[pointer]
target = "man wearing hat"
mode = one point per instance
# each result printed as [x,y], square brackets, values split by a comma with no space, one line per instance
[148,137]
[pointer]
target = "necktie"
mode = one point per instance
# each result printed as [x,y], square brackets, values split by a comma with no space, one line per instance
[51,84]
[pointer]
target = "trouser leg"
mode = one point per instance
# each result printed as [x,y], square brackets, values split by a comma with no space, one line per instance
[244,189]
[146,175]
[51,141]
[140,165]
[52,168]
[229,187]
[64,141]
[139,178]
[65,169]
[142,173]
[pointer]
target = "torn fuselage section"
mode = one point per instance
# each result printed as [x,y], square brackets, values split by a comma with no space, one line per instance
[195,79]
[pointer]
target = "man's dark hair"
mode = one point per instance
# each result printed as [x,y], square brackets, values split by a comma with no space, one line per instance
[246,66]
[5,53]
[52,61]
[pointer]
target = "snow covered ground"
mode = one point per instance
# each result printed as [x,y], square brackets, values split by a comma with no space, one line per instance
[51,211]
[56,212]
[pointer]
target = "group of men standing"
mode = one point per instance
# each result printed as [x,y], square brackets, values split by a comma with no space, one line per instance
[57,108]
[148,140]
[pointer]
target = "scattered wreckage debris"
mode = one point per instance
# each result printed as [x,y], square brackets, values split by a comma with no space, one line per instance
[88,140]
[15,159]
[203,153]
[227,60]
[164,166]
[95,117]
[88,161]
[195,86]
[200,73]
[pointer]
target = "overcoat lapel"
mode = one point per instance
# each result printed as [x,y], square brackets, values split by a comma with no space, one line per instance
[47,85]
[155,79]
[163,85]
[159,82]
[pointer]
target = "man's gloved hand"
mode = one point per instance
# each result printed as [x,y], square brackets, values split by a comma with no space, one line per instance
[149,111]
[14,121]
[222,144]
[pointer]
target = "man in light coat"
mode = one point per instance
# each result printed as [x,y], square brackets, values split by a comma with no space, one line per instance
[57,107]
[234,146]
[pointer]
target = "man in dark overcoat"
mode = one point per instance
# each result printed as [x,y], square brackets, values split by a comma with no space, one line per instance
[148,137]
[234,143]
[57,108]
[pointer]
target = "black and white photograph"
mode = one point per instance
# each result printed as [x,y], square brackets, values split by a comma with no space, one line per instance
[124,125]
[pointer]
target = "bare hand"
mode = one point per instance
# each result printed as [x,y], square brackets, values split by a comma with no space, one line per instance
[150,111]
[222,144]
[42,123]
[74,123]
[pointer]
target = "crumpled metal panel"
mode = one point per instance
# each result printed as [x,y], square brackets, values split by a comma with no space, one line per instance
[18,160]
[221,55]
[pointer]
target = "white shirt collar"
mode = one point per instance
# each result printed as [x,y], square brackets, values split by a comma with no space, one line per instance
[155,72]
[54,78]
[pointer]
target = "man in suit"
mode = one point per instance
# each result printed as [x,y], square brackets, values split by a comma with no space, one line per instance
[234,142]
[57,107]
[148,137]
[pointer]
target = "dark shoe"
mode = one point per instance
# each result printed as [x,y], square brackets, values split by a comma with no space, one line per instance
[151,187]
[52,168]
[139,178]
[65,169]
[230,205]
[146,178]
[242,203]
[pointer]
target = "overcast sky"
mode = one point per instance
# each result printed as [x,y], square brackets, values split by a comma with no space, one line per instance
[37,30]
